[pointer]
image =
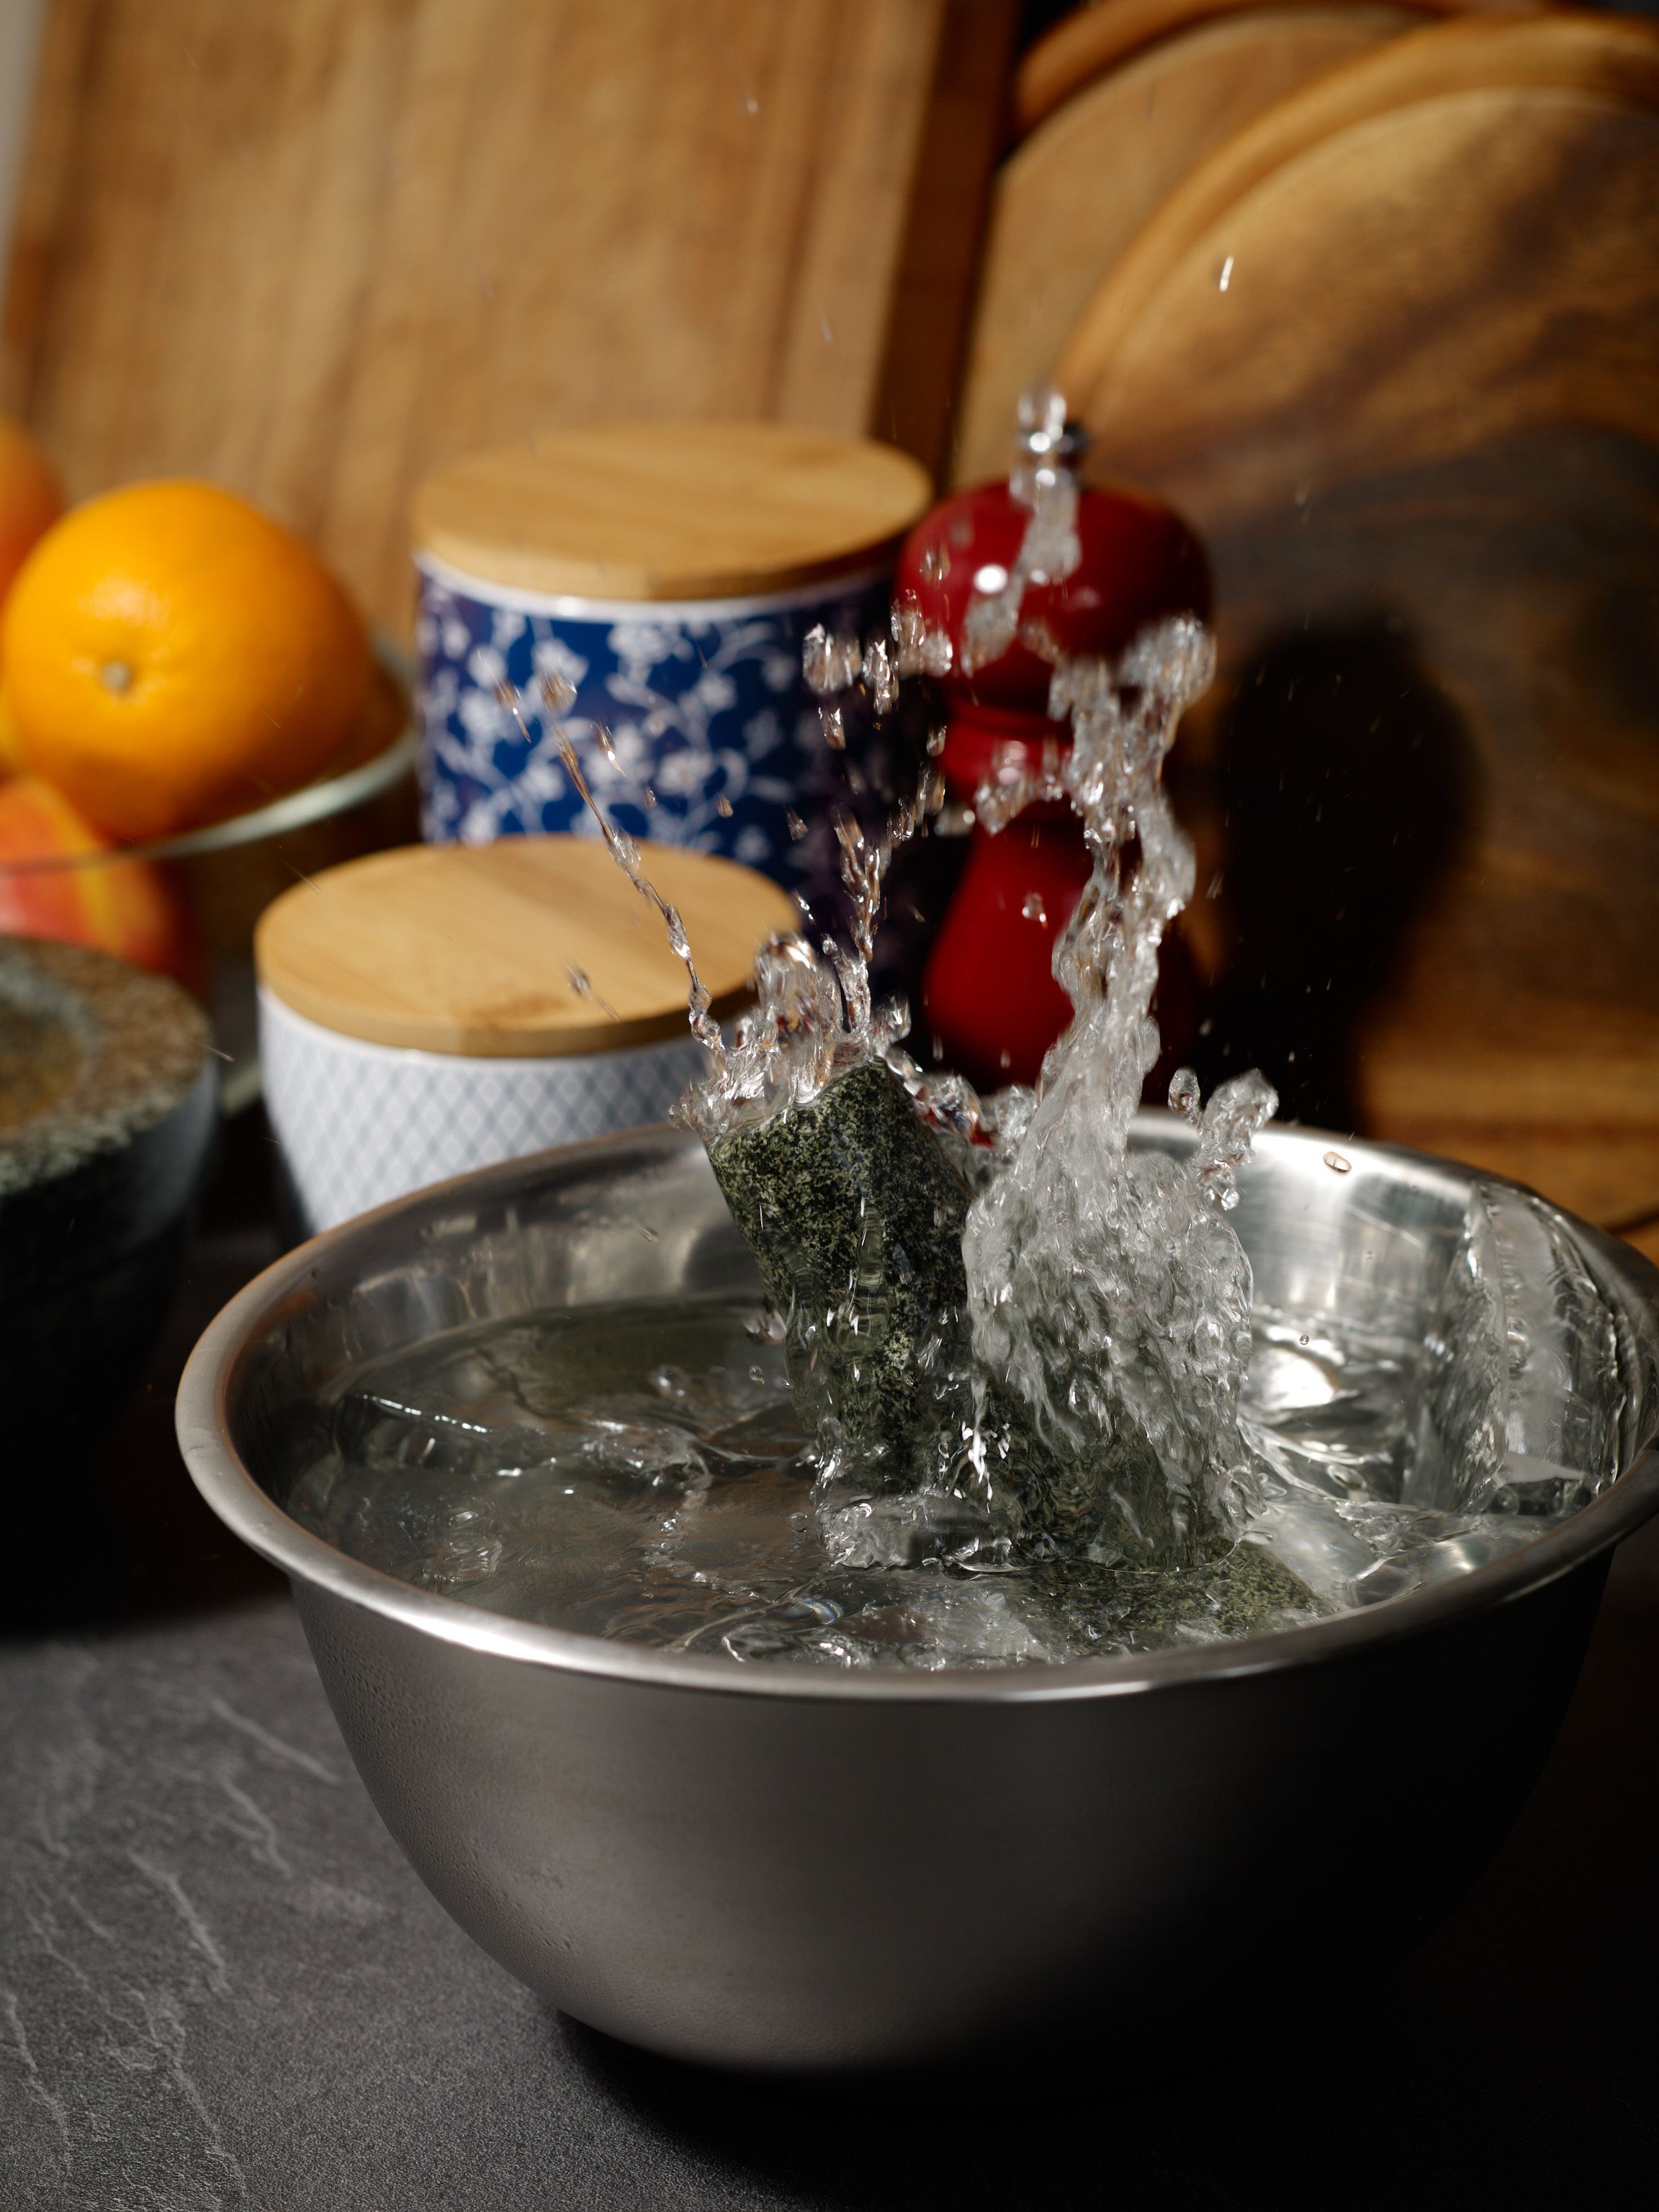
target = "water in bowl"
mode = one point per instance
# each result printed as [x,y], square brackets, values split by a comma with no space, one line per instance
[638,1472]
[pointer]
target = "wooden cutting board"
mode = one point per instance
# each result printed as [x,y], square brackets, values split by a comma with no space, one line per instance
[1102,34]
[1073,195]
[1374,151]
[315,251]
[1396,351]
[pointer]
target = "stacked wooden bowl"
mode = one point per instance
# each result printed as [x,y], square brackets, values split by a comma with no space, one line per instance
[1375,301]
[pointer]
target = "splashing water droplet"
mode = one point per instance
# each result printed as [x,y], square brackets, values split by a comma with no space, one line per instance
[882,678]
[723,807]
[1185,1097]
[1033,908]
[835,730]
[1338,1164]
[829,664]
[796,827]
[582,986]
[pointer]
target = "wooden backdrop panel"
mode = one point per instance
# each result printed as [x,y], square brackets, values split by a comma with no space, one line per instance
[312,249]
[1069,200]
[1420,424]
[1098,35]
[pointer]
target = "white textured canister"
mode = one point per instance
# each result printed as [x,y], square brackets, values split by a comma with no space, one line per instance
[428,1010]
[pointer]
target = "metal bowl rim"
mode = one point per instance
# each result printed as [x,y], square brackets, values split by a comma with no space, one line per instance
[230,1490]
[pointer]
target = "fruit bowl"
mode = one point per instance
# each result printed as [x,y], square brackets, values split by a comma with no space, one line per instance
[187,904]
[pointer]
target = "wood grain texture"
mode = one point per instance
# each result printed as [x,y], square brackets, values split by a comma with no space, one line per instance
[1102,34]
[917,403]
[476,950]
[315,248]
[1452,88]
[1425,413]
[1069,201]
[671,510]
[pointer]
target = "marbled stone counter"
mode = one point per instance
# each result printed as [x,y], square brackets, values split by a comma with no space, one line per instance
[222,1986]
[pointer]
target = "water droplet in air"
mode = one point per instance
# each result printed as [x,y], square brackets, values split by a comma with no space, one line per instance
[796,827]
[828,664]
[1337,1165]
[647,794]
[1185,1096]
[936,563]
[1226,276]
[581,984]
[606,746]
[558,693]
[1005,1058]
[1033,908]
[835,730]
[723,807]
[649,1234]
[881,676]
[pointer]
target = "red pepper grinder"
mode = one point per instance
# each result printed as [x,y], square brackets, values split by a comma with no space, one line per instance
[988,992]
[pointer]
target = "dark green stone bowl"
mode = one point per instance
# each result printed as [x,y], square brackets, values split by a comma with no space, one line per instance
[107,1113]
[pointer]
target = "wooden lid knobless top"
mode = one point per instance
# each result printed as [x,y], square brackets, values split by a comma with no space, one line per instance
[482,949]
[643,511]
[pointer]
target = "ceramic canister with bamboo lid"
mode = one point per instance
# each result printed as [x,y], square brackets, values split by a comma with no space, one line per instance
[662,577]
[434,1009]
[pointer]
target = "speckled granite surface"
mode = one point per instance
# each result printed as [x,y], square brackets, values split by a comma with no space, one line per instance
[220,1986]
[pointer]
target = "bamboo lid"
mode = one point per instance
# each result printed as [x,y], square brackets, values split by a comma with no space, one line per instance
[671,510]
[479,950]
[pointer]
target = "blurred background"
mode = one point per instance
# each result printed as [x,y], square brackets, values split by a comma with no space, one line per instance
[1370,293]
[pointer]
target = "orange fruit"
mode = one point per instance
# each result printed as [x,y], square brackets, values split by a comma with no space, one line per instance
[11,756]
[120,906]
[30,501]
[173,657]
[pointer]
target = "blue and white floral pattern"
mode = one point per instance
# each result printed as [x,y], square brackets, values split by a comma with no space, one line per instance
[703,703]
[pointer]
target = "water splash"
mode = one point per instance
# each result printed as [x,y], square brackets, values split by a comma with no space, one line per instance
[558,695]
[1021,1340]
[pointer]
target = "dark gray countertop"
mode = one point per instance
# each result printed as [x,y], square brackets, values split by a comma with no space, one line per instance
[221,1985]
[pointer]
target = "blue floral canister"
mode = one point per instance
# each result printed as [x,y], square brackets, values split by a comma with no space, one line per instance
[661,578]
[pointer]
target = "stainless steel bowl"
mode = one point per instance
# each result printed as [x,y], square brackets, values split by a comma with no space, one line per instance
[782,1867]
